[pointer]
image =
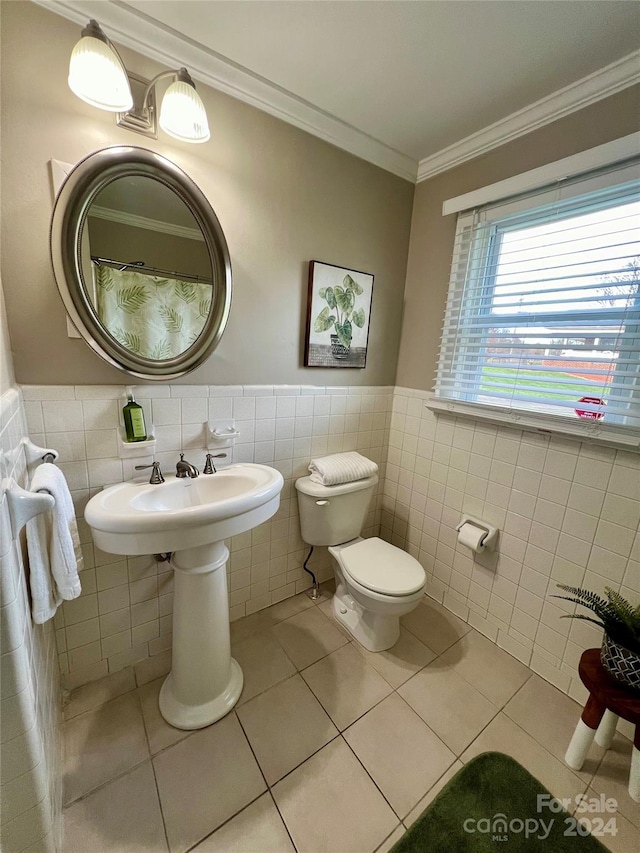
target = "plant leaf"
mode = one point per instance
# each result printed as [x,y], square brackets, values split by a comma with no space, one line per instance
[351,283]
[330,296]
[204,306]
[344,333]
[131,299]
[358,317]
[344,299]
[172,320]
[324,321]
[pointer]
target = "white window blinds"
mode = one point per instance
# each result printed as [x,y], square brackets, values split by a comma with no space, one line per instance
[542,322]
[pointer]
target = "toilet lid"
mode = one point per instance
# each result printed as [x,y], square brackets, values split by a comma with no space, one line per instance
[382,567]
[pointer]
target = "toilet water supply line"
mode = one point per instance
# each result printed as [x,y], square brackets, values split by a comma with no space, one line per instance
[316,586]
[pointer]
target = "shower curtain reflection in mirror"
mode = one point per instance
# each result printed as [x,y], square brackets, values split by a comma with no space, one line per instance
[151,316]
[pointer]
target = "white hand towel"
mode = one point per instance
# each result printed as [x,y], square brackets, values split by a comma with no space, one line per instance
[55,554]
[341,468]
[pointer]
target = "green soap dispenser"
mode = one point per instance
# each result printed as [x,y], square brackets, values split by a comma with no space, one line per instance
[134,419]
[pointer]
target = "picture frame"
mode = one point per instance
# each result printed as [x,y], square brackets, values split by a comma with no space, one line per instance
[338,316]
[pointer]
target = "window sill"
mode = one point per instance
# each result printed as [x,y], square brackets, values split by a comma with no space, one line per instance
[594,433]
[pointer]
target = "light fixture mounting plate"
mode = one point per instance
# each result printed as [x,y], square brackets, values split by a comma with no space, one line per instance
[139,120]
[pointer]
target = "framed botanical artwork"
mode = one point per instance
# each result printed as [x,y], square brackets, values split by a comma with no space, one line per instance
[338,314]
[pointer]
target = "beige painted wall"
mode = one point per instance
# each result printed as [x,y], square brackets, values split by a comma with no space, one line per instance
[432,233]
[283,198]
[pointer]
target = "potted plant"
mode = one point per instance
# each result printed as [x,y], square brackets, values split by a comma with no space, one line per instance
[341,301]
[620,653]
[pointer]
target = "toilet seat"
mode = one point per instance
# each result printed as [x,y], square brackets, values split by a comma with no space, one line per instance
[381,567]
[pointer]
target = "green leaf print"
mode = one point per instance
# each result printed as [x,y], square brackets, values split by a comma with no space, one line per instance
[204,307]
[128,339]
[131,299]
[161,350]
[172,320]
[358,317]
[352,284]
[186,291]
[324,321]
[105,279]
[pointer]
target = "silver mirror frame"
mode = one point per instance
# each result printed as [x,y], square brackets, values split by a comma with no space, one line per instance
[81,186]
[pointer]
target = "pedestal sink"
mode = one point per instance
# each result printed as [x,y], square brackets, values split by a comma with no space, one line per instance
[191,518]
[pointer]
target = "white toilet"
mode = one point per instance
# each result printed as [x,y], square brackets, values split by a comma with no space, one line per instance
[376,583]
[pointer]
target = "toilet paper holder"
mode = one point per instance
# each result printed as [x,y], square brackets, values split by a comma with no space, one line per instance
[488,542]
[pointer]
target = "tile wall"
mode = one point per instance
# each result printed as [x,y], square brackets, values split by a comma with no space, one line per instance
[568,512]
[124,614]
[30,767]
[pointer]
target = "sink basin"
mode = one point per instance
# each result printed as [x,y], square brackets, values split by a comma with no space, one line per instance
[139,518]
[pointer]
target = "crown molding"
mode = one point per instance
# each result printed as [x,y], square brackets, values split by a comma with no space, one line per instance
[602,83]
[136,221]
[133,29]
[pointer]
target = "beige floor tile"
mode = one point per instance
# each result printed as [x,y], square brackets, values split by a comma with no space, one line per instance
[308,637]
[285,725]
[98,692]
[330,804]
[204,780]
[257,829]
[388,843]
[550,717]
[448,704]
[433,792]
[248,626]
[503,735]
[287,608]
[435,626]
[346,685]
[122,816]
[612,778]
[263,663]
[626,838]
[399,751]
[102,744]
[491,670]
[159,734]
[398,664]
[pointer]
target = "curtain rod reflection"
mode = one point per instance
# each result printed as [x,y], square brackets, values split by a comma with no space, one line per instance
[141,267]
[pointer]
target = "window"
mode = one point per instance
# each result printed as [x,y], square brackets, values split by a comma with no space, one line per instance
[542,324]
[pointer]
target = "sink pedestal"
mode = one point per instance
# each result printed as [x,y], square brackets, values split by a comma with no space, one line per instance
[205,682]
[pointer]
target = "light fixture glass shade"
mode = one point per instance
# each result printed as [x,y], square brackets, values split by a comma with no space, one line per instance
[97,76]
[182,114]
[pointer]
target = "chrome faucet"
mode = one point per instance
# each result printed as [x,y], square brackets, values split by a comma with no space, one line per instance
[209,467]
[156,474]
[186,469]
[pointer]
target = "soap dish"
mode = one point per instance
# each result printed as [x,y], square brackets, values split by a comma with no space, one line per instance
[133,449]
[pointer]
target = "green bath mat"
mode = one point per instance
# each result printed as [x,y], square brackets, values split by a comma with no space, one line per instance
[492,805]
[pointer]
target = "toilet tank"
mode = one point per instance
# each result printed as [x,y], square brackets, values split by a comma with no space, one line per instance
[331,515]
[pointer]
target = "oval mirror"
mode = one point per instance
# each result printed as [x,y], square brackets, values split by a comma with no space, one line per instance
[141,262]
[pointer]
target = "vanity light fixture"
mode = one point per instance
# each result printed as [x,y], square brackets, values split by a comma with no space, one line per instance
[98,76]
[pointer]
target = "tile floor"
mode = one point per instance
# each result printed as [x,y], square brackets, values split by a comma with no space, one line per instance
[331,748]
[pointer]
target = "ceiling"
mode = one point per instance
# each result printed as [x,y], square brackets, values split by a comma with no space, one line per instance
[410,77]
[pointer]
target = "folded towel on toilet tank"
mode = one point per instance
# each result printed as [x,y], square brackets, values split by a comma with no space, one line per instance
[341,468]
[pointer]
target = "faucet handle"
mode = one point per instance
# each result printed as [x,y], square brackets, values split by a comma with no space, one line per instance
[209,467]
[156,474]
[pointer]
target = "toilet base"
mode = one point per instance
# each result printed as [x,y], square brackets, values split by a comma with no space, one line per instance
[375,631]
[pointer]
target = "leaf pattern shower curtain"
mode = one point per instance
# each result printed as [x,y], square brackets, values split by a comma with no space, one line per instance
[153,317]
